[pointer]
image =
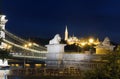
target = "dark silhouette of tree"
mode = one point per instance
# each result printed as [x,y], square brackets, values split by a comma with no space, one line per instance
[4,54]
[109,70]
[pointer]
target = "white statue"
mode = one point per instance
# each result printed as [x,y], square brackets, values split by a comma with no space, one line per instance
[55,40]
[106,42]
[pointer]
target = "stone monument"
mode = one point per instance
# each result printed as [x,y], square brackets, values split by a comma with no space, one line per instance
[55,52]
[104,47]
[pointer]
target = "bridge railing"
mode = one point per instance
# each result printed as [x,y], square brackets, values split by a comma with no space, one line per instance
[22,55]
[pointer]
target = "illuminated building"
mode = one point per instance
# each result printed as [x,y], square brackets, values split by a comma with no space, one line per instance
[57,58]
[79,41]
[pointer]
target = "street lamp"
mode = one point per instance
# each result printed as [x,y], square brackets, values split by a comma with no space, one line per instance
[8,47]
[27,46]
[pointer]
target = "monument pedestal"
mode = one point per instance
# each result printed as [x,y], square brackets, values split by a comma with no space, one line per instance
[54,55]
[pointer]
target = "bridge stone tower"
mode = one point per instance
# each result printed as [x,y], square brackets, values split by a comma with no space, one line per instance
[2,28]
[2,36]
[55,53]
[2,25]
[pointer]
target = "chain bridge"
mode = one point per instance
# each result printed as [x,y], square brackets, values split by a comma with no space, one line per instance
[19,47]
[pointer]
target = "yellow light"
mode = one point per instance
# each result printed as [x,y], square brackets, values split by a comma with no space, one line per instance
[12,65]
[17,65]
[25,46]
[83,43]
[9,46]
[27,65]
[91,40]
[29,44]
[37,65]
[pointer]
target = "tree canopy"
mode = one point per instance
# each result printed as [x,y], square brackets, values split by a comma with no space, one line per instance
[109,70]
[4,54]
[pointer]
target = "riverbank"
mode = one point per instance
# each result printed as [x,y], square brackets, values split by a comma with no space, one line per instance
[43,77]
[45,72]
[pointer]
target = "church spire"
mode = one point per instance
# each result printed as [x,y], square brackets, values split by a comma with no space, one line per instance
[66,33]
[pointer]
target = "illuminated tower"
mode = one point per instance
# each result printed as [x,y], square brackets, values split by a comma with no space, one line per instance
[66,34]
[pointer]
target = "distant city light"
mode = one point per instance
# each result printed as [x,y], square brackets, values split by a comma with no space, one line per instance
[91,40]
[25,45]
[83,43]
[29,44]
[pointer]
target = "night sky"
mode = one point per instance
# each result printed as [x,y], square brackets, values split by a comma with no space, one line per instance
[45,18]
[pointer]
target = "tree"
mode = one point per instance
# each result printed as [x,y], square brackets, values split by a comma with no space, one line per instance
[4,54]
[109,70]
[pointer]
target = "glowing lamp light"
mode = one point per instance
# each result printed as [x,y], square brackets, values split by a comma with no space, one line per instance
[37,65]
[25,46]
[27,65]
[17,65]
[29,44]
[8,46]
[83,43]
[91,40]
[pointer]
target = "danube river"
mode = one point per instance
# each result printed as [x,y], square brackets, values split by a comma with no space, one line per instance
[44,77]
[44,73]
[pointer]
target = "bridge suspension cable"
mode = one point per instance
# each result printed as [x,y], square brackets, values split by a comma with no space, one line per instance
[22,40]
[15,37]
[22,47]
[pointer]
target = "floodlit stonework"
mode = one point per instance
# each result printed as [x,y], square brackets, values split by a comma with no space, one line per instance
[57,58]
[2,28]
[55,52]
[104,47]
